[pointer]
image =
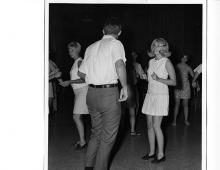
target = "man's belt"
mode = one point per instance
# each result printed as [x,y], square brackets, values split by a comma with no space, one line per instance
[103,86]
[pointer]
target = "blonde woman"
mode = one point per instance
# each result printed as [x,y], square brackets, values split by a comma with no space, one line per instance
[80,89]
[160,75]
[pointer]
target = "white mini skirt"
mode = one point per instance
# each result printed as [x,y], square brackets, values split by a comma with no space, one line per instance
[80,106]
[156,104]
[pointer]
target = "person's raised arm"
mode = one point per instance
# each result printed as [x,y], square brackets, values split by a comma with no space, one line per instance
[191,72]
[197,71]
[195,78]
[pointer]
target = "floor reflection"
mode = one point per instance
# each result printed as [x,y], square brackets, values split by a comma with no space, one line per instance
[183,145]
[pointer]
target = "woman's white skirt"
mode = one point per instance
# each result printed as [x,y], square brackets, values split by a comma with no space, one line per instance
[80,106]
[156,105]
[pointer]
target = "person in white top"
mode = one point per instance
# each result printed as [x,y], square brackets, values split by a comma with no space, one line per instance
[80,89]
[156,102]
[103,65]
[197,71]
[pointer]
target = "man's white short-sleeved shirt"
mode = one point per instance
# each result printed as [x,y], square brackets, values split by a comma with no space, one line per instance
[99,61]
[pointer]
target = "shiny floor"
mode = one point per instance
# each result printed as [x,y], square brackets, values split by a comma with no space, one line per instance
[182,144]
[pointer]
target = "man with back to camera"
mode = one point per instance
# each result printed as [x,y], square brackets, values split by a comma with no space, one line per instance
[103,65]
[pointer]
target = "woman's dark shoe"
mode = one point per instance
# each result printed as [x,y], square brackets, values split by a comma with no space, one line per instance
[79,147]
[146,157]
[187,123]
[157,161]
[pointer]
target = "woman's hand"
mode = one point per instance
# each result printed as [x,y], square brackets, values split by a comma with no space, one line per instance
[143,76]
[65,83]
[154,76]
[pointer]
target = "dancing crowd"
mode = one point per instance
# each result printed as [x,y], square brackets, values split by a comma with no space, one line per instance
[96,80]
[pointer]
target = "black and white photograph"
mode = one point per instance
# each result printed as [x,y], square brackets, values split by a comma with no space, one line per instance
[125,86]
[110,85]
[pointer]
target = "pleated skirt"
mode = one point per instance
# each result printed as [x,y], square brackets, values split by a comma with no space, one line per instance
[156,104]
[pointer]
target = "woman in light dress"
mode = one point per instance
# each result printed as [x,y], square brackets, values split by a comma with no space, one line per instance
[183,90]
[80,89]
[160,75]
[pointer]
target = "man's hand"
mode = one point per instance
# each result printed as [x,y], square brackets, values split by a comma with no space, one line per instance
[123,94]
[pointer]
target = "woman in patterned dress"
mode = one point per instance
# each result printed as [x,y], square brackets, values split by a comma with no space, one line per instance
[183,90]
[156,102]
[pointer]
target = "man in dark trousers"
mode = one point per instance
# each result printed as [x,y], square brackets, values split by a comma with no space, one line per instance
[103,65]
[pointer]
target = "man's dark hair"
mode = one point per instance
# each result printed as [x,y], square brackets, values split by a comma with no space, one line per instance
[112,26]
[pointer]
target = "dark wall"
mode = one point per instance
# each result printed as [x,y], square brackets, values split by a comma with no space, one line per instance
[180,25]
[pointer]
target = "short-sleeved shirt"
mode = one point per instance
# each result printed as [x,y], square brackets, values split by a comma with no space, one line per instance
[198,69]
[99,61]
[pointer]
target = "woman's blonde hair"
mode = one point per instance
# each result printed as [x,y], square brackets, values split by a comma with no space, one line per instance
[162,43]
